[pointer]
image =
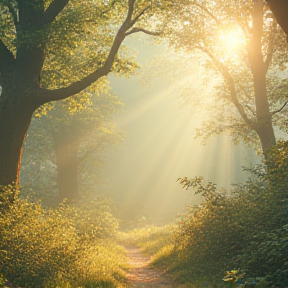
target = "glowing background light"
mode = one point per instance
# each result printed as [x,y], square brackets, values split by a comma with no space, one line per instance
[160,147]
[231,39]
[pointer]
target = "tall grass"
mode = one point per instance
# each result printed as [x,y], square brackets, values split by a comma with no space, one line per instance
[150,238]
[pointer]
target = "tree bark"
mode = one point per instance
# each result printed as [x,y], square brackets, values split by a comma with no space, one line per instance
[17,105]
[280,11]
[259,68]
[66,146]
[264,127]
[14,123]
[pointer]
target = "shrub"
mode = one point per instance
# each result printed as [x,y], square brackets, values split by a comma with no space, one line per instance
[36,244]
[64,247]
[267,255]
[92,218]
[243,228]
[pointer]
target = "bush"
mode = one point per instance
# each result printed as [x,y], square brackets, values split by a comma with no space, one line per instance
[267,255]
[68,246]
[92,219]
[36,245]
[244,228]
[210,236]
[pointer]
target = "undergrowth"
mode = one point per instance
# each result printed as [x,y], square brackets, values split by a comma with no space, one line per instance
[71,246]
[244,229]
[238,232]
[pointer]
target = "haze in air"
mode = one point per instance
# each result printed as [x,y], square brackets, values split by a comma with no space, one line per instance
[143,144]
[160,144]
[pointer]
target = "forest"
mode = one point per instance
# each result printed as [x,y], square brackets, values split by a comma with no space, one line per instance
[143,143]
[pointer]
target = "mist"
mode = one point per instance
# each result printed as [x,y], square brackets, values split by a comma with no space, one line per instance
[160,146]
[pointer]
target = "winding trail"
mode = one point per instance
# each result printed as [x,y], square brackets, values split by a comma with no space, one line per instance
[141,275]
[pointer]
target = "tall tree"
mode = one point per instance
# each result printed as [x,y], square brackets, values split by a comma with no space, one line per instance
[31,34]
[242,43]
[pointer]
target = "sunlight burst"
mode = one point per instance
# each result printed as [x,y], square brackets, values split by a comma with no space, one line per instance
[232,39]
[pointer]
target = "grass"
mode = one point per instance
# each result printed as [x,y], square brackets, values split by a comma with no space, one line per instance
[150,239]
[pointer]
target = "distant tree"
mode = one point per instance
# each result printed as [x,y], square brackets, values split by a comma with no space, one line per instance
[67,144]
[242,43]
[31,35]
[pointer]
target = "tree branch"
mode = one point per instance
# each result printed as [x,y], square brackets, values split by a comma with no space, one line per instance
[279,9]
[253,112]
[130,10]
[46,95]
[231,85]
[53,11]
[271,40]
[208,12]
[140,14]
[138,29]
[280,109]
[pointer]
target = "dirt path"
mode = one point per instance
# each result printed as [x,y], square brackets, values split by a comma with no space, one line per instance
[141,275]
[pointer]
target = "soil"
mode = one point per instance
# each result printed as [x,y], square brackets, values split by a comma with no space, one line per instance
[141,275]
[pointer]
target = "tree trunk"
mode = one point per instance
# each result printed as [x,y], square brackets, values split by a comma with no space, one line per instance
[66,145]
[14,123]
[279,9]
[259,68]
[264,127]
[266,136]
[18,102]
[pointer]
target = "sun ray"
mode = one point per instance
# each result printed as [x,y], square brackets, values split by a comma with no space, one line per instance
[160,145]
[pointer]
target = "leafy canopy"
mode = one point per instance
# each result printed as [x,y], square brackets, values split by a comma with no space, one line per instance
[222,35]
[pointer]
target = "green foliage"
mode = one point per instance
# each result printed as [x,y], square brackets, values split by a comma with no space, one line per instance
[7,195]
[223,36]
[92,219]
[237,278]
[2,281]
[277,167]
[245,228]
[266,255]
[68,246]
